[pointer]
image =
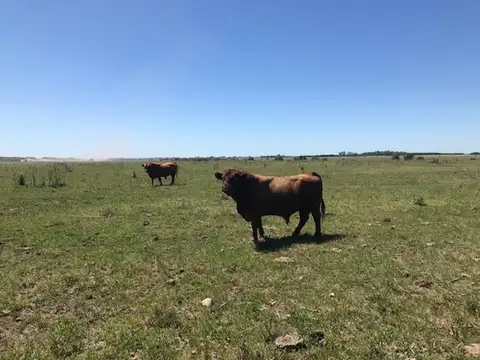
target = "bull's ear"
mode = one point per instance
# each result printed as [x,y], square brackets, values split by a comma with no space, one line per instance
[218,175]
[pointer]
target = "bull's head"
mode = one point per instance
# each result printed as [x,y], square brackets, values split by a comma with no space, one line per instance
[145,166]
[232,181]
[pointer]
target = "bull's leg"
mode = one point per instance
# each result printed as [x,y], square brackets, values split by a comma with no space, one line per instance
[323,209]
[173,179]
[152,180]
[301,223]
[256,223]
[260,229]
[160,179]
[317,216]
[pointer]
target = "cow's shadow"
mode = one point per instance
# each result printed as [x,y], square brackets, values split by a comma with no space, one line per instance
[272,244]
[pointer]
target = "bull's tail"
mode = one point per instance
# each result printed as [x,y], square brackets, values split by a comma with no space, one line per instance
[316,174]
[322,205]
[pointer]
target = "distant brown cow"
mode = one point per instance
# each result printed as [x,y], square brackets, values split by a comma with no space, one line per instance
[159,170]
[258,195]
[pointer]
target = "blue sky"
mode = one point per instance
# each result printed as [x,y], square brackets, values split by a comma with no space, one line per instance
[104,78]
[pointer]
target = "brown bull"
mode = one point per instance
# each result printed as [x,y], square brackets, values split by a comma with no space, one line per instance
[258,195]
[159,170]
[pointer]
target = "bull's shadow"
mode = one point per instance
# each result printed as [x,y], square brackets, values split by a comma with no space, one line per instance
[168,185]
[272,244]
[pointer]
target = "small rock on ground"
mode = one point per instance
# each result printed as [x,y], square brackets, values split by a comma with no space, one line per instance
[289,341]
[473,350]
[207,302]
[283,259]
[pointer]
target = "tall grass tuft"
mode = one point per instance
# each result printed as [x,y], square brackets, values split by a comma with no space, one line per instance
[420,201]
[34,174]
[19,179]
[56,175]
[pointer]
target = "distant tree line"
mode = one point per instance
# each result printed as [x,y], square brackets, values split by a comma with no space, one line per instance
[11,158]
[278,157]
[391,153]
[20,158]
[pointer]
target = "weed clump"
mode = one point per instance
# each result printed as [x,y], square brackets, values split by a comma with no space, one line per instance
[66,339]
[420,201]
[164,319]
[56,175]
[19,180]
[65,167]
[108,212]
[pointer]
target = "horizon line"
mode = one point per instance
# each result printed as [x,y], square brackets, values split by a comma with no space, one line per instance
[378,153]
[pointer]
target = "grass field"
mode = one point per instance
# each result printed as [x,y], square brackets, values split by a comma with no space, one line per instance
[108,267]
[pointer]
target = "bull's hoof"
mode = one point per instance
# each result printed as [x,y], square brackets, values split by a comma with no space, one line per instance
[317,234]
